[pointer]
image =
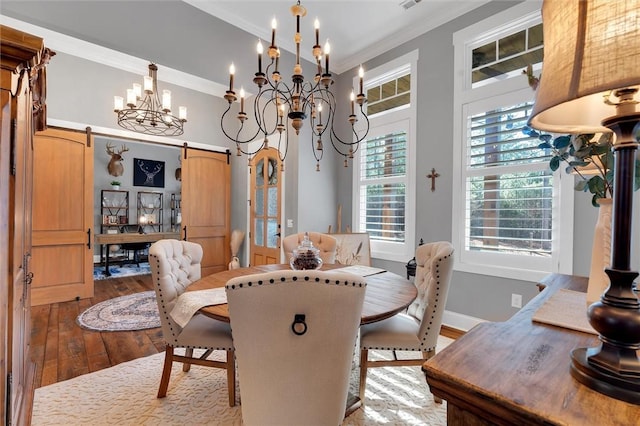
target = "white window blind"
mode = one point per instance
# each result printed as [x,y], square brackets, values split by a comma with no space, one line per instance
[383,170]
[509,185]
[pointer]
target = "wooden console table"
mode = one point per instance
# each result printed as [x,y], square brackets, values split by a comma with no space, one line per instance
[517,372]
[130,238]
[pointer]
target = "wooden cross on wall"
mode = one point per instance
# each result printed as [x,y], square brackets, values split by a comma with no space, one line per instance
[433,175]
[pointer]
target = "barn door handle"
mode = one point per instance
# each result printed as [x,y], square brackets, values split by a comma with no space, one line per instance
[89,237]
[185,233]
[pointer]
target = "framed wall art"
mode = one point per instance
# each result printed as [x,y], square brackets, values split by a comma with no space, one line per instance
[148,173]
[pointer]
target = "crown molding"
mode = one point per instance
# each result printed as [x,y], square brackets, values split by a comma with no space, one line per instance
[113,58]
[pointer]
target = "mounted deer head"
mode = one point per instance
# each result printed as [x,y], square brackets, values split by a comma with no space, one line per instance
[115,167]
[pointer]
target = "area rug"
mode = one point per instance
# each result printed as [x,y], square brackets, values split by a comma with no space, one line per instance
[126,395]
[137,311]
[118,271]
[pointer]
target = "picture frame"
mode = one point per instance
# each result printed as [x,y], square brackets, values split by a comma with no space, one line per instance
[148,173]
[353,248]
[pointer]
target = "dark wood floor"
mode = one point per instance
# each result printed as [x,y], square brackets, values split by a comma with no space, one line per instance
[62,349]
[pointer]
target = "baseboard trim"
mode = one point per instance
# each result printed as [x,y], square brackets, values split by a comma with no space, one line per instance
[461,322]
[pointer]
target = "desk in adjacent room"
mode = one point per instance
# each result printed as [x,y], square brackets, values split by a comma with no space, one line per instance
[130,238]
[517,373]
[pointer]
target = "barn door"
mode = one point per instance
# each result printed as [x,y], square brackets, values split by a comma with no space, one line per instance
[206,206]
[62,216]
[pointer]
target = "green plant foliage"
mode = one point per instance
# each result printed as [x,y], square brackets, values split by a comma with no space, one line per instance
[588,156]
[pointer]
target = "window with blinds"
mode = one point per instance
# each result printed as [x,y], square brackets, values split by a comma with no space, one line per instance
[383,169]
[509,205]
[384,177]
[511,215]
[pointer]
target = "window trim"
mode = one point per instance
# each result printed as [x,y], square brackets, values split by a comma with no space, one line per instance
[399,252]
[491,263]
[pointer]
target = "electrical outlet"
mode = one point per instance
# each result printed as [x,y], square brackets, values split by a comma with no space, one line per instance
[289,223]
[516,300]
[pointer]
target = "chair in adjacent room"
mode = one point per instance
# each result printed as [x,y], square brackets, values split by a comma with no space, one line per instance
[174,266]
[325,243]
[418,328]
[294,334]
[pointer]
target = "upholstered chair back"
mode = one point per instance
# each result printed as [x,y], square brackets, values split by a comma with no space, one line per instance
[325,243]
[175,264]
[434,265]
[287,378]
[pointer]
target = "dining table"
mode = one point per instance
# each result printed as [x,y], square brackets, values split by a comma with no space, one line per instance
[386,295]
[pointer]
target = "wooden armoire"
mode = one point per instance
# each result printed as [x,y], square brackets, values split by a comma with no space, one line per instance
[23,58]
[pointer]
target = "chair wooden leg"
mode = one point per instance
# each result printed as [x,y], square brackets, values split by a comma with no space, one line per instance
[166,371]
[428,355]
[231,377]
[189,353]
[364,357]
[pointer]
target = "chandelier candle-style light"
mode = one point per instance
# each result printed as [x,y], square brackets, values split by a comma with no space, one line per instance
[278,106]
[145,113]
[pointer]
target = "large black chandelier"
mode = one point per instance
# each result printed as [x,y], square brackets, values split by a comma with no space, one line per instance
[145,112]
[279,106]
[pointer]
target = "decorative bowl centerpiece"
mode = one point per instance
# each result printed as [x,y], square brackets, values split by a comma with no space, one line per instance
[306,256]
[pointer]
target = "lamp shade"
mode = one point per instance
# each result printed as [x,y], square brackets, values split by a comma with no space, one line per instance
[591,47]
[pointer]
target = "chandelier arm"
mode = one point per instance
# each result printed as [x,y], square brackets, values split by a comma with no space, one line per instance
[353,130]
[248,152]
[282,155]
[327,97]
[263,118]
[236,139]
[317,156]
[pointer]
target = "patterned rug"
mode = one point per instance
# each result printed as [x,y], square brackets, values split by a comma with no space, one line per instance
[117,271]
[126,395]
[137,311]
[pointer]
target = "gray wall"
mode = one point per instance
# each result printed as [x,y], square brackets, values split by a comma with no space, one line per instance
[204,46]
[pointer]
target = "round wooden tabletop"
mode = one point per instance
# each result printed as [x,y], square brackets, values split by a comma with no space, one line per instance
[387,293]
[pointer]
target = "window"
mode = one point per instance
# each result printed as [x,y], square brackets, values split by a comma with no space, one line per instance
[509,217]
[384,177]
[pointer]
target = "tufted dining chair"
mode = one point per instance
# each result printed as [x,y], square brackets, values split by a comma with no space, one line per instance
[419,327]
[325,243]
[175,265]
[294,333]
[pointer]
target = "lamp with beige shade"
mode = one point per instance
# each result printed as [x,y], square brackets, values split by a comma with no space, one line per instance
[589,84]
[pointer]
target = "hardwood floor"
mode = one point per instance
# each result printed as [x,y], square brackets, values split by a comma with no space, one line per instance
[62,349]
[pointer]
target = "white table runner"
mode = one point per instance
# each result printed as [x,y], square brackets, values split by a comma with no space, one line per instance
[191,302]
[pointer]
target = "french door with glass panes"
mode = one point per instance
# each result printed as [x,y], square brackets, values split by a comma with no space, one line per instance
[266,186]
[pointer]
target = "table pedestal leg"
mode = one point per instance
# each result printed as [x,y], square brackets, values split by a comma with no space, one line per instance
[106,262]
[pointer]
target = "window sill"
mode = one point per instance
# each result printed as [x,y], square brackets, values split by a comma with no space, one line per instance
[501,271]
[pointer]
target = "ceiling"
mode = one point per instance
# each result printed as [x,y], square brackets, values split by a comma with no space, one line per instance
[357,30]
